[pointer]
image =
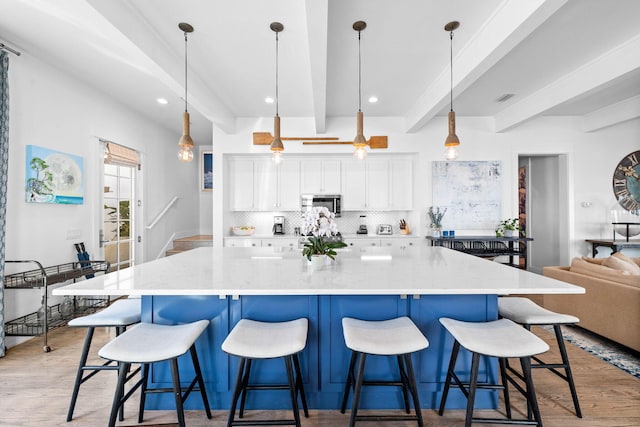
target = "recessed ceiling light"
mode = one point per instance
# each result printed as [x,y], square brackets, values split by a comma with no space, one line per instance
[373,99]
[269,100]
[162,101]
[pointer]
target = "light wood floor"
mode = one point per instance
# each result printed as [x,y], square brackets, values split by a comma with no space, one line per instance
[35,389]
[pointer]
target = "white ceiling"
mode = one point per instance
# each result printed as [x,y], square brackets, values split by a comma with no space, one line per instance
[559,57]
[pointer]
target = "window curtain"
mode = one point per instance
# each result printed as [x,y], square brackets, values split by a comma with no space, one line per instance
[4,169]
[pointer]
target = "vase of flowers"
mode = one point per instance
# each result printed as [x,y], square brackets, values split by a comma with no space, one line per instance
[435,216]
[322,230]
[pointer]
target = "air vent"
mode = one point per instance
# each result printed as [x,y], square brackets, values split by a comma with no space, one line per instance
[505,97]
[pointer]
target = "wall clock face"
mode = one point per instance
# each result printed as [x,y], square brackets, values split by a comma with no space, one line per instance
[626,182]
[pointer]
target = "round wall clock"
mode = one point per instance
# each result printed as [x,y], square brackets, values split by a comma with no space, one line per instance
[626,182]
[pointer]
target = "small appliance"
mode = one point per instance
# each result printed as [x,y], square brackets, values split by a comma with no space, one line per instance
[332,202]
[278,225]
[384,229]
[362,229]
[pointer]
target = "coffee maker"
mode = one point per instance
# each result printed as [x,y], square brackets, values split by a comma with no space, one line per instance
[362,229]
[278,225]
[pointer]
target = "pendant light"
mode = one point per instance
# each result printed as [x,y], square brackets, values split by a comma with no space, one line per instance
[359,143]
[276,145]
[186,143]
[452,142]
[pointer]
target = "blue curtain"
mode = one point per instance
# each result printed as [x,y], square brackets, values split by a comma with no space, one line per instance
[4,169]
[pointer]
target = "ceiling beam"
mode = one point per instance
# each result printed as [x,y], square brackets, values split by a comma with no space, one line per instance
[511,23]
[586,79]
[317,32]
[613,114]
[132,24]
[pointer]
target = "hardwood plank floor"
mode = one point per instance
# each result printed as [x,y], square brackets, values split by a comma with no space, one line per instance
[35,389]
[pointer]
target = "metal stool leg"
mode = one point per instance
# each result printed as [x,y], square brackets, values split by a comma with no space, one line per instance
[475,366]
[532,401]
[300,386]
[292,389]
[403,379]
[79,374]
[200,380]
[357,390]
[413,388]
[567,369]
[236,391]
[447,382]
[349,383]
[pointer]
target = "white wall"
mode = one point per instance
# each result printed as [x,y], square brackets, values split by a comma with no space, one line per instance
[53,110]
[590,159]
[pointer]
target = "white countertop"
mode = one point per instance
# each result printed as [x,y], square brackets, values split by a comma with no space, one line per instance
[421,270]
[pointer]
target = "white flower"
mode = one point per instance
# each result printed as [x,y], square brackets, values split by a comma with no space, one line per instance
[318,221]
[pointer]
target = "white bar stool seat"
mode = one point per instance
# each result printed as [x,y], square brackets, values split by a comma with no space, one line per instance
[250,340]
[526,312]
[148,343]
[501,339]
[120,314]
[394,337]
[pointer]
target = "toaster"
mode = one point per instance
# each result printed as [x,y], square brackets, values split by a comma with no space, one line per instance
[384,229]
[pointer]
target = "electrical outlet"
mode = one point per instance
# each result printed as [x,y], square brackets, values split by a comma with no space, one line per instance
[74,234]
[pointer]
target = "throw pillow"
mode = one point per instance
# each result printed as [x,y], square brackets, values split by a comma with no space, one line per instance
[598,261]
[618,264]
[626,259]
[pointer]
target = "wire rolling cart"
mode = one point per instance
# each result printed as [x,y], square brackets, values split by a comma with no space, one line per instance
[48,318]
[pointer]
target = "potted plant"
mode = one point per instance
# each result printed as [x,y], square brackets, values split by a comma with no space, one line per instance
[321,229]
[508,227]
[435,216]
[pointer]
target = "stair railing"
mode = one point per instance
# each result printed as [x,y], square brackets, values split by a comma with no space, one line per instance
[161,214]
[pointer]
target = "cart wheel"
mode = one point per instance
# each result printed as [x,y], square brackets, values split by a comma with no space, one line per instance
[46,349]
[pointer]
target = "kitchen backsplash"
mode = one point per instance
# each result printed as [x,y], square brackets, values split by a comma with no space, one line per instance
[347,224]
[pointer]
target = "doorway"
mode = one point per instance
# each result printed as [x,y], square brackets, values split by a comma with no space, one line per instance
[546,209]
[119,213]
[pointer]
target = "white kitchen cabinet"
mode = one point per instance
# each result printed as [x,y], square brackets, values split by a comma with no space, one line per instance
[257,184]
[320,176]
[354,196]
[242,242]
[366,242]
[378,183]
[377,188]
[241,184]
[281,243]
[401,242]
[401,184]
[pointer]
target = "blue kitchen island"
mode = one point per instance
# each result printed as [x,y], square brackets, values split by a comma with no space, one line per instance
[225,285]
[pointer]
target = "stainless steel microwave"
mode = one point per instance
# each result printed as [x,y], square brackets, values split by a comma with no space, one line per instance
[332,202]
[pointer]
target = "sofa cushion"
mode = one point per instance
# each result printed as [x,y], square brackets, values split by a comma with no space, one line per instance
[598,261]
[618,263]
[581,266]
[623,257]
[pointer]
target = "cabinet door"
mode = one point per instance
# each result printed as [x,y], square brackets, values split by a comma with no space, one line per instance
[401,181]
[289,185]
[242,243]
[331,176]
[265,185]
[241,184]
[362,243]
[281,243]
[401,242]
[320,176]
[377,184]
[311,176]
[353,185]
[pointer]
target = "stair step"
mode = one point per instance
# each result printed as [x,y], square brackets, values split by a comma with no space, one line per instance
[188,243]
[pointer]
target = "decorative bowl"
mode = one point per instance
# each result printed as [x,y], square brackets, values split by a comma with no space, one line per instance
[245,230]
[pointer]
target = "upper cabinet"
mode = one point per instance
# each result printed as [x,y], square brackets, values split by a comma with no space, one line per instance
[320,176]
[378,183]
[381,182]
[257,184]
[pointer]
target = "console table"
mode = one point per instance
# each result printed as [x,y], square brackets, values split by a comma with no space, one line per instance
[615,245]
[487,246]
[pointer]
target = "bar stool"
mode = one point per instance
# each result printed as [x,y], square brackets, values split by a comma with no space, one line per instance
[250,340]
[395,337]
[527,313]
[502,339]
[120,314]
[148,343]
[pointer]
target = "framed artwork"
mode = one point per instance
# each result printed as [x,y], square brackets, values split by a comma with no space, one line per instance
[471,192]
[53,177]
[206,171]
